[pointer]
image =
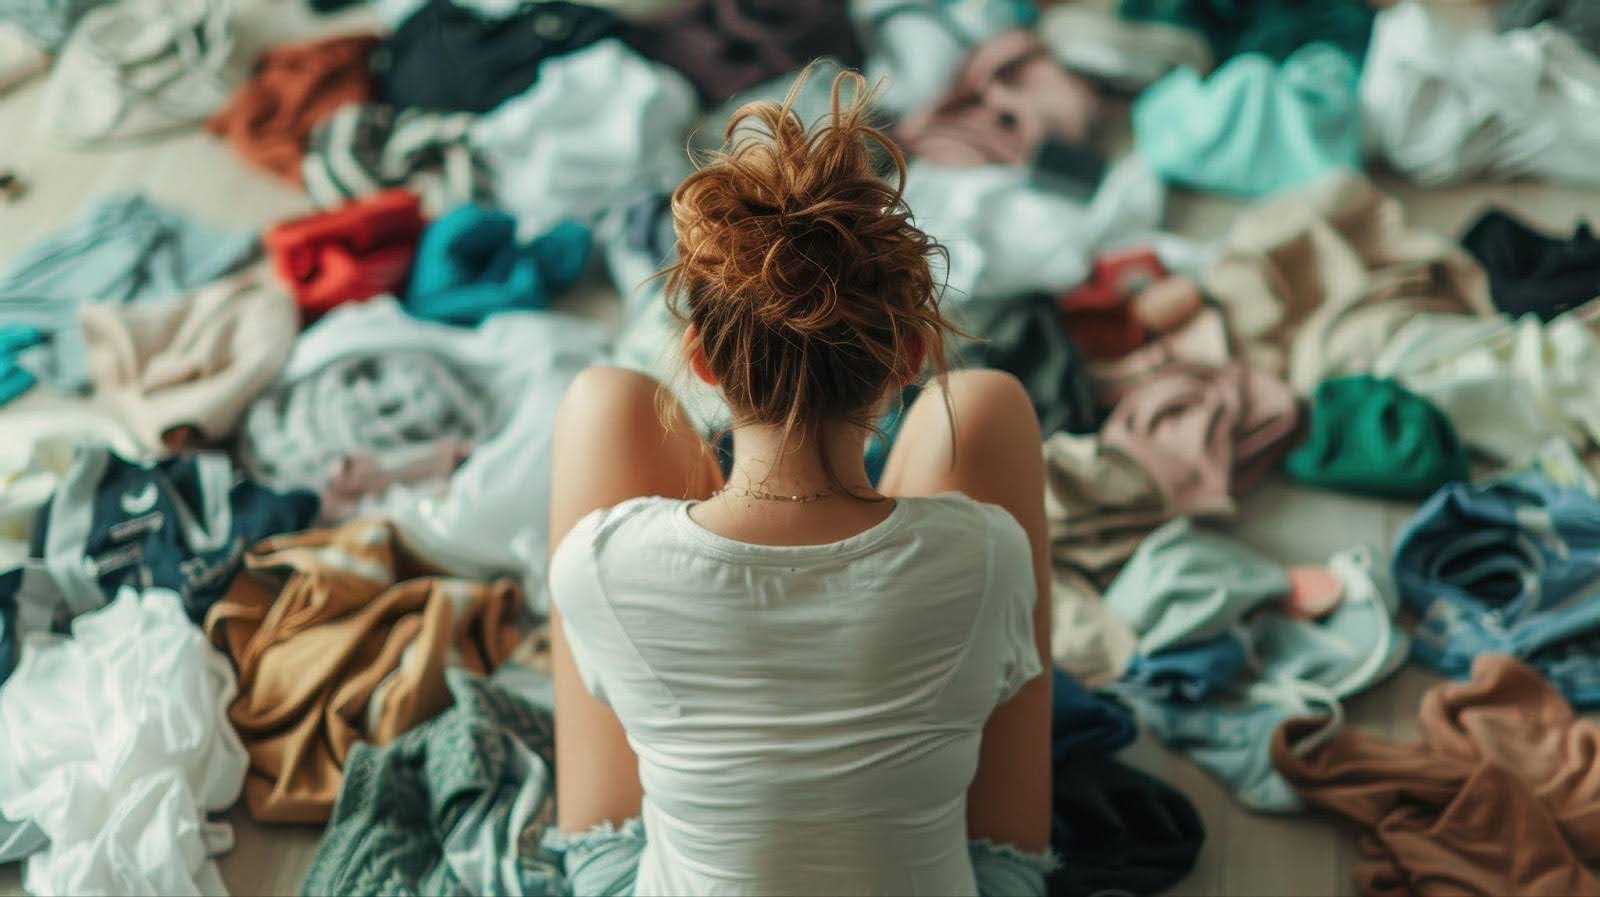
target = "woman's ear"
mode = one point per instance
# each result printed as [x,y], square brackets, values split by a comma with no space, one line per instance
[694,352]
[913,354]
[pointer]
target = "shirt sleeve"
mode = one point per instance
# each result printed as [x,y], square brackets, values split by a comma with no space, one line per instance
[1012,593]
[575,591]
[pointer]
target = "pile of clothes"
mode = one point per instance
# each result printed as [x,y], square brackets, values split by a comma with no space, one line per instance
[314,485]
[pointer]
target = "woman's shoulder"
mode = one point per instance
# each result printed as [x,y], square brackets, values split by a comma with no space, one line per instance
[963,513]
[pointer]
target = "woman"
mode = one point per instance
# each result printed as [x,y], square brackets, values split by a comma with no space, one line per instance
[788,681]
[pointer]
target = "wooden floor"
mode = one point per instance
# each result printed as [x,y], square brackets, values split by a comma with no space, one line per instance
[1245,853]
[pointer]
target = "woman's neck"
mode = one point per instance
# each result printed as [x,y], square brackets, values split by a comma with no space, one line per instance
[762,462]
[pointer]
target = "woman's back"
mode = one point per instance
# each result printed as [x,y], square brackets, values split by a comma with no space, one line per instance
[806,718]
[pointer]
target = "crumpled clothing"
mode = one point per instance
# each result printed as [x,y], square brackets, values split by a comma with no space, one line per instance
[1314,282]
[34,457]
[192,363]
[1531,272]
[47,22]
[1444,105]
[1128,55]
[813,102]
[1024,338]
[493,518]
[450,57]
[17,343]
[141,68]
[1099,504]
[601,127]
[726,46]
[363,148]
[917,46]
[117,747]
[1578,18]
[181,524]
[470,265]
[1119,830]
[1008,99]
[124,248]
[21,56]
[342,636]
[1496,797]
[1276,28]
[1373,436]
[1254,127]
[358,483]
[347,254]
[457,805]
[1508,387]
[295,86]
[1087,640]
[1205,435]
[1507,566]
[1200,341]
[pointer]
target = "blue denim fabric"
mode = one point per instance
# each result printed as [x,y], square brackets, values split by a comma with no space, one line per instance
[126,248]
[469,265]
[1510,565]
[1191,673]
[1082,721]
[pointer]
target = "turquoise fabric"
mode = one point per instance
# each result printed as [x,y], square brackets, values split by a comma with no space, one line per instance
[1276,28]
[469,266]
[1254,127]
[1372,436]
[15,378]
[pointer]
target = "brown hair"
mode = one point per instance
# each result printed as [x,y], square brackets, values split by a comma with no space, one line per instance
[801,268]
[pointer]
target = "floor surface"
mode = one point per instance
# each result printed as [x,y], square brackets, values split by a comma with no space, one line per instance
[1245,853]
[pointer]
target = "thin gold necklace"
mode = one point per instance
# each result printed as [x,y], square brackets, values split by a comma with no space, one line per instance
[763,495]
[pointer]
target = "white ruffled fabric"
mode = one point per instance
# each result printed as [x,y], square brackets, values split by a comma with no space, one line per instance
[117,745]
[600,127]
[1443,105]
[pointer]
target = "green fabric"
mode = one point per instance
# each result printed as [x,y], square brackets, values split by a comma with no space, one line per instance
[1375,437]
[458,805]
[1276,28]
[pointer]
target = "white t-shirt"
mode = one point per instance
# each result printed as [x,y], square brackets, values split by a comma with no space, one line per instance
[807,718]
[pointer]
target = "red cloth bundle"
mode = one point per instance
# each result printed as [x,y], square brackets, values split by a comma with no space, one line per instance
[347,254]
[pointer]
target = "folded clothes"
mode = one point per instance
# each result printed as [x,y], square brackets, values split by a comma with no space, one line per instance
[1508,387]
[1497,796]
[1275,28]
[1314,282]
[363,148]
[124,248]
[1255,126]
[1506,566]
[181,371]
[21,55]
[1375,437]
[726,46]
[1023,337]
[448,57]
[34,457]
[117,747]
[1445,105]
[341,636]
[1009,97]
[601,127]
[47,23]
[1531,272]
[456,805]
[1129,55]
[140,68]
[1119,830]
[295,86]
[1579,18]
[916,47]
[347,254]
[469,266]
[1204,435]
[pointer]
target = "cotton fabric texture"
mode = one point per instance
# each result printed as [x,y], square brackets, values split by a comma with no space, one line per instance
[1255,127]
[954,572]
[362,148]
[124,248]
[1497,796]
[457,804]
[1577,18]
[1119,830]
[1275,28]
[118,755]
[1128,55]
[341,636]
[451,57]
[294,87]
[1313,283]
[1444,105]
[470,265]
[347,254]
[1374,437]
[48,23]
[917,47]
[35,455]
[1531,272]
[21,56]
[601,127]
[192,362]
[139,68]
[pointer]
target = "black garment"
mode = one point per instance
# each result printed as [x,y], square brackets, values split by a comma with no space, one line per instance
[10,582]
[726,46]
[446,57]
[1531,271]
[1579,18]
[1118,830]
[1024,337]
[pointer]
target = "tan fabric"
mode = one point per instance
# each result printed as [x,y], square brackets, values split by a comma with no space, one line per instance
[195,361]
[1314,282]
[1203,340]
[340,636]
[1087,640]
[1500,796]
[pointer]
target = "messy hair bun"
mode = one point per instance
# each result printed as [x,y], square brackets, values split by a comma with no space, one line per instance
[800,265]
